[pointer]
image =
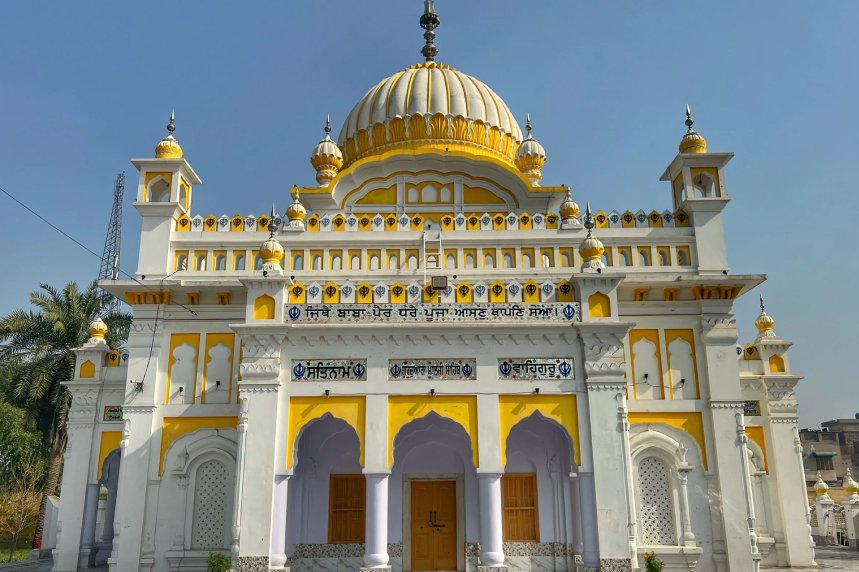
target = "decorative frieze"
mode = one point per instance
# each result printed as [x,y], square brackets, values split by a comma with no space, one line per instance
[535,369]
[428,313]
[329,370]
[432,369]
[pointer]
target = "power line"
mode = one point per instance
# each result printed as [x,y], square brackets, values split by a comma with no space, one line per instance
[85,247]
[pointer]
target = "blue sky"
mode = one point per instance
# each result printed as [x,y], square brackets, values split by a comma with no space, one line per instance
[87,85]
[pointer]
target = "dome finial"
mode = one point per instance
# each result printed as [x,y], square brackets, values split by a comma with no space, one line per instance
[429,22]
[328,124]
[326,157]
[589,219]
[591,249]
[764,323]
[272,222]
[168,148]
[528,126]
[692,142]
[531,156]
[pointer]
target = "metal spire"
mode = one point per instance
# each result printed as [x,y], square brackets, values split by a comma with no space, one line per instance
[327,124]
[429,22]
[762,304]
[689,121]
[171,127]
[528,126]
[589,219]
[272,222]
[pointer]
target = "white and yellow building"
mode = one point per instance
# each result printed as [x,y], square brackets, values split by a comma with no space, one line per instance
[297,395]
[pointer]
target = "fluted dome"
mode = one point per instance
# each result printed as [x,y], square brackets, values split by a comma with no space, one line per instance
[429,102]
[169,148]
[326,157]
[97,328]
[531,156]
[271,251]
[569,208]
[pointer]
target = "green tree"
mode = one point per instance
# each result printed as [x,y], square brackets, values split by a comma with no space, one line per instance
[36,356]
[19,439]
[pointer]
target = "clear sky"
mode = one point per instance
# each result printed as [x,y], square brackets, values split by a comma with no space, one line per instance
[84,86]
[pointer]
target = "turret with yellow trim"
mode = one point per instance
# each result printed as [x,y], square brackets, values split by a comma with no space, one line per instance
[326,157]
[169,148]
[271,251]
[296,212]
[591,249]
[692,142]
[530,157]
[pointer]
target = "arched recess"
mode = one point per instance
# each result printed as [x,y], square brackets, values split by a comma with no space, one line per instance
[776,364]
[537,476]
[325,446]
[108,478]
[305,410]
[462,409]
[196,494]
[676,424]
[264,307]
[560,409]
[599,305]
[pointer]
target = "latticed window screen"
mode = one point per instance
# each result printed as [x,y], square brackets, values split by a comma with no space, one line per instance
[655,505]
[210,507]
[346,502]
[520,521]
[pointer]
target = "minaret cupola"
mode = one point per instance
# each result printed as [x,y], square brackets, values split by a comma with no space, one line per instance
[168,148]
[530,157]
[326,157]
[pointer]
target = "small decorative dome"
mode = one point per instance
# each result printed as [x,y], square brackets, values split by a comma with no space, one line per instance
[820,487]
[764,323]
[692,142]
[326,157]
[296,211]
[851,487]
[530,157]
[168,148]
[569,209]
[591,249]
[271,251]
[97,329]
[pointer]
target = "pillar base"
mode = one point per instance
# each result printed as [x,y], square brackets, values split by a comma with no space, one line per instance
[481,568]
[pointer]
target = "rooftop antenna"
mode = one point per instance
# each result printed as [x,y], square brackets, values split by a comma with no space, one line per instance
[429,22]
[109,269]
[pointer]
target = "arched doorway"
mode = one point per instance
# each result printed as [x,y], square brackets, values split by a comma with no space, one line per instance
[109,483]
[435,519]
[540,495]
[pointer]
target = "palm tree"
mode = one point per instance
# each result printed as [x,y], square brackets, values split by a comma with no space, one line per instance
[36,355]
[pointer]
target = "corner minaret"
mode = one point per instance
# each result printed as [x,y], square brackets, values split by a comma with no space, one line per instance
[697,179]
[164,192]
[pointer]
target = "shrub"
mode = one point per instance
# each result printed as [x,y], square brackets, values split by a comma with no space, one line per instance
[217,562]
[652,563]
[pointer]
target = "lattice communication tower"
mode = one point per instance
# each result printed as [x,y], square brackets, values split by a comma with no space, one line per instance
[110,257]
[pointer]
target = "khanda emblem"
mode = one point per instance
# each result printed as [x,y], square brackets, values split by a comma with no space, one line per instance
[569,312]
[299,370]
[294,313]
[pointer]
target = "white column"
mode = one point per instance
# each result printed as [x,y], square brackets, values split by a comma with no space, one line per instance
[90,512]
[131,494]
[578,542]
[683,477]
[747,488]
[278,521]
[491,538]
[632,519]
[76,467]
[376,528]
[590,540]
[851,513]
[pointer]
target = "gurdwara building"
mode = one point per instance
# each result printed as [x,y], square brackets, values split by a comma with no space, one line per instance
[434,361]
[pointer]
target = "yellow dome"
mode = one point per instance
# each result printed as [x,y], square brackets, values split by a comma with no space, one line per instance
[569,208]
[692,142]
[530,157]
[168,148]
[851,487]
[271,251]
[98,329]
[820,487]
[326,157]
[591,249]
[296,211]
[764,322]
[432,104]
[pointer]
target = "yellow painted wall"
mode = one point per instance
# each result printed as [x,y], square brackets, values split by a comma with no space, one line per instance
[303,410]
[559,408]
[461,409]
[756,434]
[109,442]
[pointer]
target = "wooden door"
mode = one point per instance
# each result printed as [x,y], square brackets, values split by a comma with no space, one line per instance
[433,523]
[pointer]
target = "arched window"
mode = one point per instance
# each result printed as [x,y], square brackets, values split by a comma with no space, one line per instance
[374,262]
[211,507]
[355,262]
[682,257]
[663,258]
[445,194]
[413,195]
[704,185]
[298,261]
[430,194]
[527,260]
[489,261]
[450,261]
[413,262]
[393,262]
[547,262]
[624,258]
[508,260]
[605,259]
[201,263]
[655,503]
[317,262]
[183,195]
[566,260]
[182,262]
[239,262]
[159,191]
[258,262]
[336,262]
[221,262]
[469,261]
[643,257]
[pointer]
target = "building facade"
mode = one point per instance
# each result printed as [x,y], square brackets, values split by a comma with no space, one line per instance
[433,361]
[829,453]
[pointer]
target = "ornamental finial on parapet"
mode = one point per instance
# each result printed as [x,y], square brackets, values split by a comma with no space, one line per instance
[591,249]
[692,142]
[326,158]
[271,251]
[296,211]
[531,156]
[764,323]
[168,148]
[429,22]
